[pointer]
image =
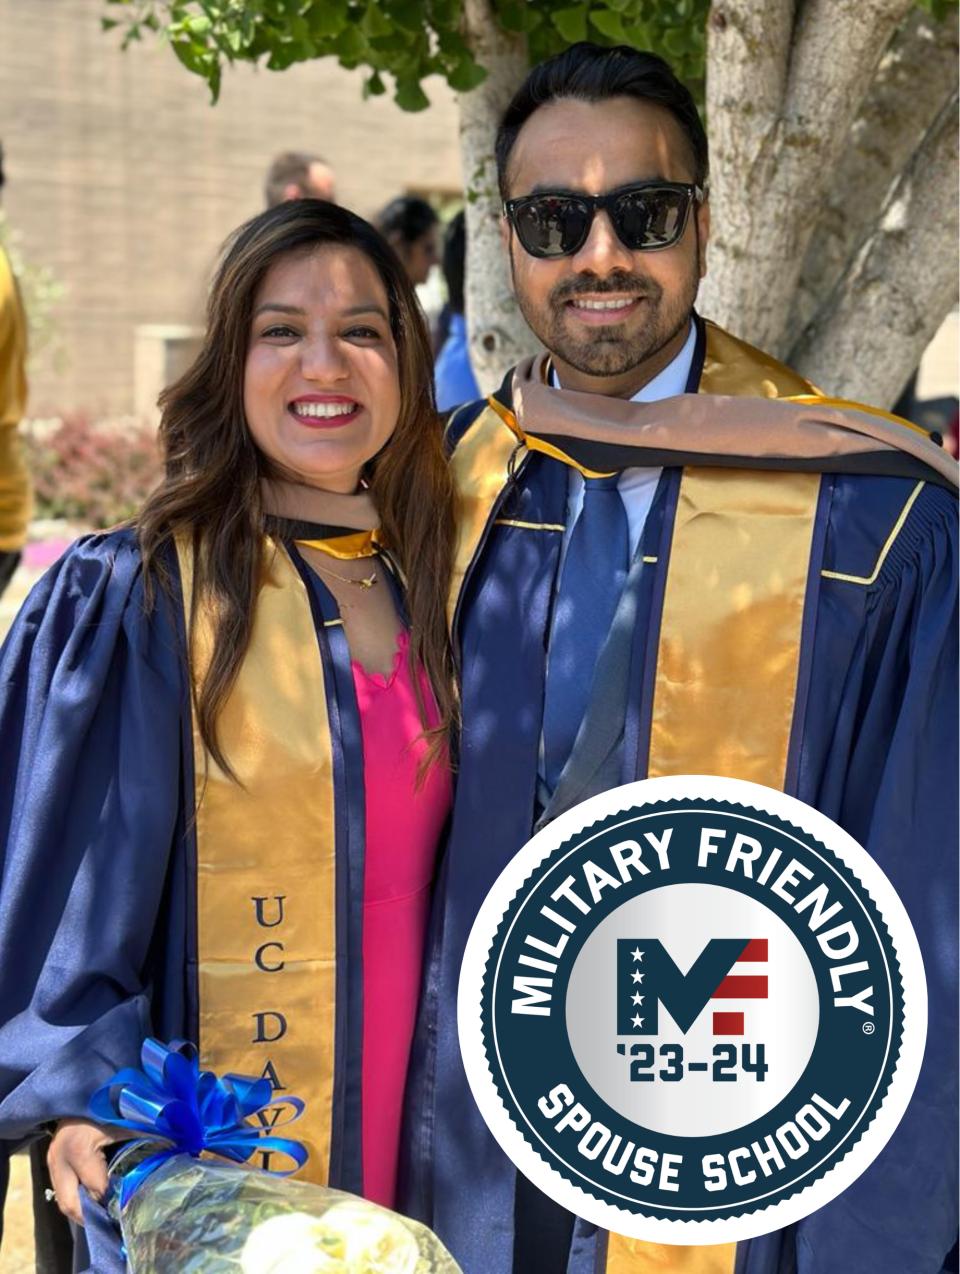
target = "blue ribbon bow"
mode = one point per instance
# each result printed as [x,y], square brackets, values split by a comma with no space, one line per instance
[172,1101]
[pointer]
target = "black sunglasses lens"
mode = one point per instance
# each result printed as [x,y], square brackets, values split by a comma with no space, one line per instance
[552,226]
[650,218]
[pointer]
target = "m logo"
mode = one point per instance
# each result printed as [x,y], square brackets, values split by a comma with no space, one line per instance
[702,1043]
[648,977]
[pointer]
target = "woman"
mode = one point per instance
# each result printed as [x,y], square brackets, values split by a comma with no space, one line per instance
[411,227]
[228,728]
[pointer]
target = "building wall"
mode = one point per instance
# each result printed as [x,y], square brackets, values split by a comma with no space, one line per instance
[123,179]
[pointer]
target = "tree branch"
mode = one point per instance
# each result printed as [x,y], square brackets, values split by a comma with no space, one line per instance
[751,38]
[764,224]
[748,44]
[871,330]
[826,90]
[892,124]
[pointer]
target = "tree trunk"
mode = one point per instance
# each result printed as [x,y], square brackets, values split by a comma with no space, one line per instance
[498,335]
[867,339]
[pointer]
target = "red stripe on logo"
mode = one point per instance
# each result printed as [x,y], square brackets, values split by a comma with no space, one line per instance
[728,1023]
[741,988]
[756,949]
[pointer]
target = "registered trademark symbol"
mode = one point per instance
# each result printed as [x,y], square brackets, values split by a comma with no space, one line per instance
[868,1028]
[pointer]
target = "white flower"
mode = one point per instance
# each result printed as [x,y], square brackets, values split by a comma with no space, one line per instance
[351,1238]
[288,1245]
[373,1240]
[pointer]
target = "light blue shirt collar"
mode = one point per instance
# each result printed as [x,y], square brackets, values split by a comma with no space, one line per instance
[673,379]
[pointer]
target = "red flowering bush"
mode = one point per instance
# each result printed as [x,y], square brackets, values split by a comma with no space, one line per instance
[91,473]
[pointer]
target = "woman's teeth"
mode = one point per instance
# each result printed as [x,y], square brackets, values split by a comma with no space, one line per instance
[324,410]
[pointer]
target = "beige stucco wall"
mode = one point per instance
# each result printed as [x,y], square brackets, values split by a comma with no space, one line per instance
[123,179]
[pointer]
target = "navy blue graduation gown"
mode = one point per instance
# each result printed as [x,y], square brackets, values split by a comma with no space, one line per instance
[874,747]
[98,891]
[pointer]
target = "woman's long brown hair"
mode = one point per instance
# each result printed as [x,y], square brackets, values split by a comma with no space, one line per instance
[213,470]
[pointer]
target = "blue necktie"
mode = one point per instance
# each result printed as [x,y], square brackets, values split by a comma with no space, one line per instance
[591,581]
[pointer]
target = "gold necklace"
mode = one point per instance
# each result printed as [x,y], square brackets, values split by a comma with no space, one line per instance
[368,581]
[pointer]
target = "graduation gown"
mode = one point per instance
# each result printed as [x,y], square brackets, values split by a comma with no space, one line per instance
[123,913]
[837,686]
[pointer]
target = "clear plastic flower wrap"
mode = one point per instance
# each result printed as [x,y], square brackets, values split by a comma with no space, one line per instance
[203,1216]
[183,1214]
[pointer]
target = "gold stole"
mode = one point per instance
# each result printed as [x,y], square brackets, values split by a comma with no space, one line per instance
[729,651]
[729,636]
[480,467]
[266,861]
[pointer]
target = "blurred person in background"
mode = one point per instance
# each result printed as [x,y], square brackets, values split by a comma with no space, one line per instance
[15,499]
[411,227]
[453,376]
[297,175]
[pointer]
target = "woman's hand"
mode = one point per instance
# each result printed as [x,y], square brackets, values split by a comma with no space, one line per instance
[76,1158]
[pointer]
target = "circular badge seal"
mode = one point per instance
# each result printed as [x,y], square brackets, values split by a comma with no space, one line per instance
[692,1010]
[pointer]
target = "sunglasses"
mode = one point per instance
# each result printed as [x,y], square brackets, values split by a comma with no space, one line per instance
[647,217]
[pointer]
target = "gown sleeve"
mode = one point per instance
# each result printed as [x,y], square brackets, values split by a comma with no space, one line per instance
[90,739]
[891,781]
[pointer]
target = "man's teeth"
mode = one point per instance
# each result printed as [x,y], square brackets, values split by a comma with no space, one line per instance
[604,305]
[324,410]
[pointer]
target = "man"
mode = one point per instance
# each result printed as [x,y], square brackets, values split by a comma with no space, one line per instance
[296,175]
[794,605]
[15,501]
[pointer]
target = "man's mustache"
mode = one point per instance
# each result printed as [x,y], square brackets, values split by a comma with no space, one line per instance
[632,284]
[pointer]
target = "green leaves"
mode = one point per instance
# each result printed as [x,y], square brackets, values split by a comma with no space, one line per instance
[327,20]
[374,86]
[572,23]
[466,75]
[938,9]
[408,40]
[517,16]
[350,46]
[609,23]
[411,39]
[410,96]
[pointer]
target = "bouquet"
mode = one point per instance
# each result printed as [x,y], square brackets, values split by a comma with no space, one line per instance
[180,1214]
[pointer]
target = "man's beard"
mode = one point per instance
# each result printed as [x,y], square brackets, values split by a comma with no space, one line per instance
[609,350]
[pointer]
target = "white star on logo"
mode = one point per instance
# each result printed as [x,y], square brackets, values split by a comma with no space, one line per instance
[637,977]
[637,1020]
[638,999]
[637,953]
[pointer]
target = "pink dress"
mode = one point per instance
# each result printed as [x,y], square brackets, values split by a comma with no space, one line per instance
[403,827]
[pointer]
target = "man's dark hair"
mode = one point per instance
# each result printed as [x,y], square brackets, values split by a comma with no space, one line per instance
[406,216]
[595,74]
[293,166]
